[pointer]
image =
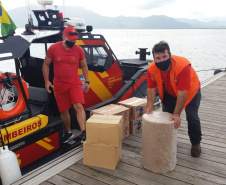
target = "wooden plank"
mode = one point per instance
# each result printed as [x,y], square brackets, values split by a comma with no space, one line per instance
[213,96]
[181,177]
[122,174]
[200,176]
[205,132]
[204,137]
[201,161]
[209,132]
[216,113]
[59,180]
[46,183]
[207,146]
[214,99]
[85,170]
[185,163]
[181,146]
[79,178]
[204,156]
[206,140]
[211,105]
[204,124]
[202,168]
[134,166]
[212,115]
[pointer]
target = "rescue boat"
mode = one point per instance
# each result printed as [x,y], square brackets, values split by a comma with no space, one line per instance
[31,125]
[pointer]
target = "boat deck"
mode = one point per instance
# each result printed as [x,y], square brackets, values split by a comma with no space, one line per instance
[209,168]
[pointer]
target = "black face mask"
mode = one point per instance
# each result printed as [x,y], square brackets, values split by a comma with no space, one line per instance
[164,65]
[69,44]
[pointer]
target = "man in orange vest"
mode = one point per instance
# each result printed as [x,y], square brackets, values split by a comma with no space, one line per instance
[178,87]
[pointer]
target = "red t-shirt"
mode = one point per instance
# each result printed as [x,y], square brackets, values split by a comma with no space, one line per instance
[66,63]
[183,81]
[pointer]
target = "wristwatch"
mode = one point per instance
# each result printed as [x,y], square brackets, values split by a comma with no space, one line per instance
[88,82]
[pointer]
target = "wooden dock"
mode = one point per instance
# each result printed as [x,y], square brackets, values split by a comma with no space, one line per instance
[209,168]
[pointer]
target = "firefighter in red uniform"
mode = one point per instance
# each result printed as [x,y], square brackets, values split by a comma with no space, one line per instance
[66,56]
[178,87]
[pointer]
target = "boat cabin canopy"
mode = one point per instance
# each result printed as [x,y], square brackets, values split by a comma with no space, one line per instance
[13,47]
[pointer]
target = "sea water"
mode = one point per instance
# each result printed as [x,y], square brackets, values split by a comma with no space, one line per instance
[205,48]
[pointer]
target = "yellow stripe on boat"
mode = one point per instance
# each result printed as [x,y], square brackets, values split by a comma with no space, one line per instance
[24,128]
[45,145]
[98,86]
[79,42]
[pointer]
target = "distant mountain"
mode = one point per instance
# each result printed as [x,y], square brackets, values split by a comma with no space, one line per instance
[19,16]
[200,24]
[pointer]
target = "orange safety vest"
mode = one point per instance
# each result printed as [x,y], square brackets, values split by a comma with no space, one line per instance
[177,65]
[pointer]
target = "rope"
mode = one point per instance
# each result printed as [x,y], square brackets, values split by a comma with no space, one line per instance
[7,136]
[6,95]
[2,142]
[13,121]
[39,120]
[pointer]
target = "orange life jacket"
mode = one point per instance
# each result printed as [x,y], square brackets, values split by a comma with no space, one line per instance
[177,65]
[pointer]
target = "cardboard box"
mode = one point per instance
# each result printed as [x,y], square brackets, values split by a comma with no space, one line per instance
[105,129]
[101,155]
[126,129]
[113,109]
[136,105]
[135,125]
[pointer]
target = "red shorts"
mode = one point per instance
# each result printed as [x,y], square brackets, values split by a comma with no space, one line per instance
[67,96]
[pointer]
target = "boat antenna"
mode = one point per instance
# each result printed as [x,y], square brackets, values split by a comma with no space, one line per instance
[30,20]
[64,8]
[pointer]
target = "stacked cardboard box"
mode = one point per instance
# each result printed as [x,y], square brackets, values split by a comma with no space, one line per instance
[113,109]
[103,145]
[137,106]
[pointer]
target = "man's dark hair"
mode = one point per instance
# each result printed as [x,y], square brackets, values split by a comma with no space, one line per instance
[160,47]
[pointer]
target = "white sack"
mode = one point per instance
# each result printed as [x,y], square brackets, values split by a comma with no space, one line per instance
[159,142]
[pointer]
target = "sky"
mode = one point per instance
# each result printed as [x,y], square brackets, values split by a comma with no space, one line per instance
[203,10]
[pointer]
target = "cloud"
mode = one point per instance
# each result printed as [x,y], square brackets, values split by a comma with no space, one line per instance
[151,4]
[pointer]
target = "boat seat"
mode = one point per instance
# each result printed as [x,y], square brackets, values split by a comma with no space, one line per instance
[38,94]
[37,98]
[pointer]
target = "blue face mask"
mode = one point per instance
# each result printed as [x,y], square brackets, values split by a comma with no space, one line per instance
[164,65]
[69,44]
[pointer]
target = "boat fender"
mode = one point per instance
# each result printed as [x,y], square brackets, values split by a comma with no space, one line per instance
[20,105]
[9,166]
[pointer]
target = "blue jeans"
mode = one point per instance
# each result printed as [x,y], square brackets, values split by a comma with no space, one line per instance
[194,126]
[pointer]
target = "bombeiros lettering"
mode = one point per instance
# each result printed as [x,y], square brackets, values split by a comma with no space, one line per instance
[21,131]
